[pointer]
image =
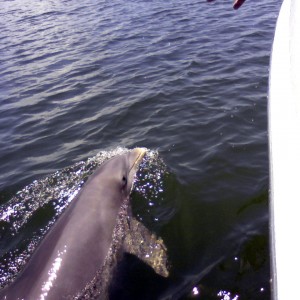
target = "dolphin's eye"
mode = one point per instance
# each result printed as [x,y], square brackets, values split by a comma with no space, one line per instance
[124,181]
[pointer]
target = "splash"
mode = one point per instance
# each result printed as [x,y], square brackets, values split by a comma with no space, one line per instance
[152,197]
[225,295]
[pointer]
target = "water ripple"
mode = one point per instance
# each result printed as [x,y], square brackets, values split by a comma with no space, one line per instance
[186,77]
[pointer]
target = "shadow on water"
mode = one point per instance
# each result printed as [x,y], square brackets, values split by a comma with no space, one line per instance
[238,277]
[136,280]
[218,253]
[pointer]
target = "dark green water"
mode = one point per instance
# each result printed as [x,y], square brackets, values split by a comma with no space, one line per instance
[186,78]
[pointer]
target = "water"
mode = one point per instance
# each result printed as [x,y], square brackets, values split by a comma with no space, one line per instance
[186,78]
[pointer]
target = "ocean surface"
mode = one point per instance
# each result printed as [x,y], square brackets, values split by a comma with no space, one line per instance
[186,79]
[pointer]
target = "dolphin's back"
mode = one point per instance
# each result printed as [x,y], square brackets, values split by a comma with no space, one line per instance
[75,248]
[66,259]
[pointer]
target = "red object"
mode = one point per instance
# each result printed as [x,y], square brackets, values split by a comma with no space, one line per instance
[238,3]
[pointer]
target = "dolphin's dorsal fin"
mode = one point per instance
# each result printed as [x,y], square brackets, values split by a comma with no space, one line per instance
[144,244]
[129,236]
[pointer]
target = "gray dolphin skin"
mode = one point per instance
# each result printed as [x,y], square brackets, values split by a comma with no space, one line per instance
[77,245]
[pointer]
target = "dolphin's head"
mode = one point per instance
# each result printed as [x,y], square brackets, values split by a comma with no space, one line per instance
[131,161]
[117,174]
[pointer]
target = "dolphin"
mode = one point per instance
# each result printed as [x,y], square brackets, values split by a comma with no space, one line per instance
[77,245]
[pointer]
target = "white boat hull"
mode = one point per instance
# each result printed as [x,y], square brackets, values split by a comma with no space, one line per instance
[284,136]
